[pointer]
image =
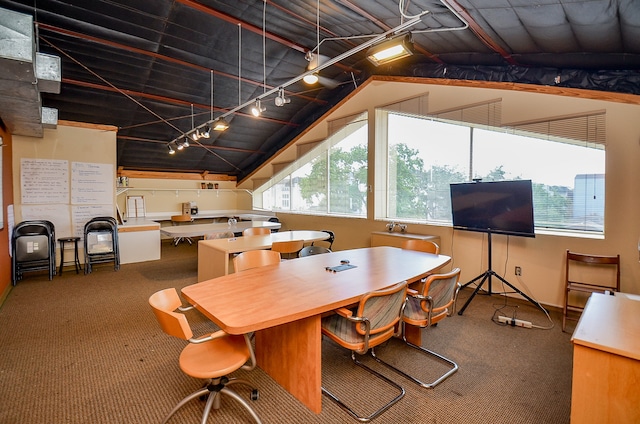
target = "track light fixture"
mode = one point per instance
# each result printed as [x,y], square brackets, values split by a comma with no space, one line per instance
[220,124]
[257,109]
[281,100]
[206,132]
[186,142]
[392,49]
[194,135]
[171,150]
[311,78]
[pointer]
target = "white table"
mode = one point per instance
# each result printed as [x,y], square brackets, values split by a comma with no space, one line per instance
[197,230]
[213,255]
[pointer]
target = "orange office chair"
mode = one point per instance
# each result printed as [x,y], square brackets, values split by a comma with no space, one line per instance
[255,259]
[373,323]
[211,357]
[256,231]
[585,274]
[288,249]
[179,220]
[436,302]
[421,245]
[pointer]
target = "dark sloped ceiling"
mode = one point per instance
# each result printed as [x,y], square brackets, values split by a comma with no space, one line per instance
[143,65]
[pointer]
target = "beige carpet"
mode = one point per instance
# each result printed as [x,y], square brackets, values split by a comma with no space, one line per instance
[87,349]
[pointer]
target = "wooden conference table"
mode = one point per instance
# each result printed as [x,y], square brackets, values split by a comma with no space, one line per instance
[213,255]
[197,230]
[283,304]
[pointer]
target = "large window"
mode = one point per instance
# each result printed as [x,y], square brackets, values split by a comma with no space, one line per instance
[426,154]
[329,179]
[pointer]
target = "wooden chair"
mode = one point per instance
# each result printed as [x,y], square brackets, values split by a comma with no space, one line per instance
[256,231]
[313,250]
[211,357]
[585,274]
[373,323]
[178,220]
[421,245]
[436,302]
[288,249]
[255,259]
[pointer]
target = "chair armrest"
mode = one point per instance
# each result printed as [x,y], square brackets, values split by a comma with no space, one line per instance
[412,292]
[344,312]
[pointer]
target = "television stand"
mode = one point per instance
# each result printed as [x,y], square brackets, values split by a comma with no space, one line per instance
[486,277]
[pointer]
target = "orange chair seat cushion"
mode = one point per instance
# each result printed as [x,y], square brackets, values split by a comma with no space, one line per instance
[216,358]
[414,314]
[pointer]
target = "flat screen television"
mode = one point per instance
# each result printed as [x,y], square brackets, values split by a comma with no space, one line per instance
[500,207]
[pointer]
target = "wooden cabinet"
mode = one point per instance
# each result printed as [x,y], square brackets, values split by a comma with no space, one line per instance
[606,362]
[395,239]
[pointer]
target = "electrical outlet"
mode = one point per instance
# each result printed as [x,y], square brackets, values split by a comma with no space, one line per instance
[518,270]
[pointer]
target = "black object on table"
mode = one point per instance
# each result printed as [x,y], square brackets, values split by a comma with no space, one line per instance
[76,260]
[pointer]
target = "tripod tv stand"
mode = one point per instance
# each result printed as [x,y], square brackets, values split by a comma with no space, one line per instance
[486,278]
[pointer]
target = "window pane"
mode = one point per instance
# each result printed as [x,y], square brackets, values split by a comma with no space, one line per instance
[310,186]
[425,156]
[348,175]
[568,179]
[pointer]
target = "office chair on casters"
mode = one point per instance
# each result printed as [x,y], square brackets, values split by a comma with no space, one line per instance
[33,247]
[330,240]
[178,220]
[585,274]
[101,242]
[313,250]
[210,357]
[373,323]
[436,302]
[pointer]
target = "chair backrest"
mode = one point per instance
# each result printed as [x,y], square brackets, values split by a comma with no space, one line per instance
[313,250]
[421,245]
[256,231]
[442,289]
[177,219]
[289,246]
[164,303]
[33,240]
[382,308]
[226,234]
[329,240]
[255,259]
[596,271]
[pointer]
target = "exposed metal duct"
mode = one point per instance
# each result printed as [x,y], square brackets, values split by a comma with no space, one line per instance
[24,73]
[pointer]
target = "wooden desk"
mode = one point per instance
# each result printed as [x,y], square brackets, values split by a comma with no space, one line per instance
[283,304]
[606,362]
[197,230]
[213,255]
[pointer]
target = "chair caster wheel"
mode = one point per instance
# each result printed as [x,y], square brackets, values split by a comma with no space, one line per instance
[254,394]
